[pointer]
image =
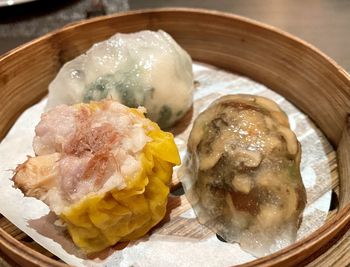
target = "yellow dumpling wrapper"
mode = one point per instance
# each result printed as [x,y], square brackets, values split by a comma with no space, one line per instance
[101,220]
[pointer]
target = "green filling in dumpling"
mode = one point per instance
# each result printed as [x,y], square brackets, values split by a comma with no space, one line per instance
[128,90]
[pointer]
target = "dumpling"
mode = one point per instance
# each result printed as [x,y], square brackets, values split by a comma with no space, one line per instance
[243,173]
[103,168]
[146,68]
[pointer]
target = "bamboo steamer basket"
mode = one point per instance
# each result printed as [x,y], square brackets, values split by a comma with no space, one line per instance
[296,70]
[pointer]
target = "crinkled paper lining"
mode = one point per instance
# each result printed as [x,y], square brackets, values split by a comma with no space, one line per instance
[32,216]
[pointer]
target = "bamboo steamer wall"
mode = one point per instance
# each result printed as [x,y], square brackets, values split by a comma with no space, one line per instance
[291,67]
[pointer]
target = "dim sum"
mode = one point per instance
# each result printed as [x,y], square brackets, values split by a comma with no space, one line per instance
[243,173]
[103,168]
[138,69]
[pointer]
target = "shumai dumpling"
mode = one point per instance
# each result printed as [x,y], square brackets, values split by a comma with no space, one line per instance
[145,68]
[243,173]
[103,168]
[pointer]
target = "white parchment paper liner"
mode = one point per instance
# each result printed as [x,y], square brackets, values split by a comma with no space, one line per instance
[32,216]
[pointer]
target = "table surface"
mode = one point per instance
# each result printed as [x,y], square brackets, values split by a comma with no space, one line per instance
[323,23]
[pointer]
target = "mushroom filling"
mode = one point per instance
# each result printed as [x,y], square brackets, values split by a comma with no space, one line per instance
[246,185]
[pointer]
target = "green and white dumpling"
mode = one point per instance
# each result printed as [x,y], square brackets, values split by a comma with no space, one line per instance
[146,68]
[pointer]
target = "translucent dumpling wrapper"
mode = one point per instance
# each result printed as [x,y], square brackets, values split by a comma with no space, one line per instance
[103,168]
[242,173]
[146,68]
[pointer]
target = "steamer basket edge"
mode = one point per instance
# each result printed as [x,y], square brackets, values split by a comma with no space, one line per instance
[214,33]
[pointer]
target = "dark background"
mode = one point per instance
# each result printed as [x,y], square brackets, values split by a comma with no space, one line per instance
[323,23]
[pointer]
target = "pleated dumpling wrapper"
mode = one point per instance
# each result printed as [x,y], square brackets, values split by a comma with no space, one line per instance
[243,173]
[103,168]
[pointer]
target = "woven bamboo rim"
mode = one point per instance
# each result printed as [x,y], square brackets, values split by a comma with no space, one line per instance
[288,65]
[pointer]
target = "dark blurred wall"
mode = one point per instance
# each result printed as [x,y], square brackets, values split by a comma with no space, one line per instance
[323,23]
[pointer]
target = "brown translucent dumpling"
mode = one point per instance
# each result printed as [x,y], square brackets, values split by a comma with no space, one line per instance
[243,173]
